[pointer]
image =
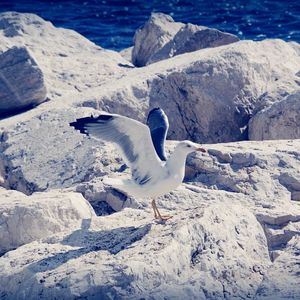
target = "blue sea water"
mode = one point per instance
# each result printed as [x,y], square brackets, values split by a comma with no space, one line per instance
[112,23]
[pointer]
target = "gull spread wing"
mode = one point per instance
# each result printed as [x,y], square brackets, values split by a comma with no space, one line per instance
[132,138]
[159,125]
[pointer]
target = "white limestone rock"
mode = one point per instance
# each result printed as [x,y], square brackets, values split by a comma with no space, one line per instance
[45,152]
[209,95]
[282,280]
[282,88]
[192,38]
[161,38]
[214,96]
[149,39]
[39,150]
[69,62]
[281,120]
[127,53]
[96,192]
[215,249]
[24,219]
[267,171]
[219,243]
[236,219]
[21,80]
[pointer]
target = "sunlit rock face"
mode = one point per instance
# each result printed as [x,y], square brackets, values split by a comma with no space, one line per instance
[281,120]
[21,81]
[73,64]
[161,38]
[25,219]
[152,37]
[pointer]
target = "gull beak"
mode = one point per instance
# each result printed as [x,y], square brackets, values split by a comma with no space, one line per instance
[201,150]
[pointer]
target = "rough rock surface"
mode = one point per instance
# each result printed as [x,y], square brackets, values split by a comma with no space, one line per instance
[214,97]
[192,38]
[213,248]
[52,154]
[210,94]
[266,170]
[281,120]
[207,251]
[149,39]
[21,80]
[127,53]
[24,219]
[73,64]
[161,38]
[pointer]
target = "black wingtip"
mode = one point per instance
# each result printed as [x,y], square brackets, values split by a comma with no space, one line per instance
[80,124]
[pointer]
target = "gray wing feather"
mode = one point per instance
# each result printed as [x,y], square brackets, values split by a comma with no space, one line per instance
[132,138]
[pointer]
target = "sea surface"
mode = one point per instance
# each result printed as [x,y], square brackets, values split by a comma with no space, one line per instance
[112,23]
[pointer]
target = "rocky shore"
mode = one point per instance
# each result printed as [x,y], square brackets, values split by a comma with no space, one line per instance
[236,226]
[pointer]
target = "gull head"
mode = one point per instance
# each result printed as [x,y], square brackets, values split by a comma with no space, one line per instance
[188,147]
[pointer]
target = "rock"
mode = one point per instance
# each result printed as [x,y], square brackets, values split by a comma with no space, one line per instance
[281,120]
[21,81]
[266,171]
[208,250]
[208,95]
[192,38]
[282,280]
[44,152]
[214,95]
[282,88]
[70,63]
[24,219]
[161,38]
[127,53]
[149,39]
[235,227]
[95,191]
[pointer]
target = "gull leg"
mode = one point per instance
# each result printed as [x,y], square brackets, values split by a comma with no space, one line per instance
[154,209]
[157,214]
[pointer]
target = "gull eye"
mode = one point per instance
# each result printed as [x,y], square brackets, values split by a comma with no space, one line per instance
[189,146]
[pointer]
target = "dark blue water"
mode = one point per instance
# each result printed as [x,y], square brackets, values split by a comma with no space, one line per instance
[112,23]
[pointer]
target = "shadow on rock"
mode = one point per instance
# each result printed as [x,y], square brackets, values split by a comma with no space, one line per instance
[114,241]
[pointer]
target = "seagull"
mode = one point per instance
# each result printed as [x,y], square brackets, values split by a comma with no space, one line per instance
[142,148]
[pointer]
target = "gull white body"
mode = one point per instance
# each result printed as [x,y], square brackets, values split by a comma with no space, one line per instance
[170,176]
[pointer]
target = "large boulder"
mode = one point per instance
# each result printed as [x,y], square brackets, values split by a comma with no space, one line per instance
[21,81]
[214,94]
[149,39]
[213,249]
[45,152]
[209,95]
[24,219]
[70,63]
[192,38]
[161,38]
[281,120]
